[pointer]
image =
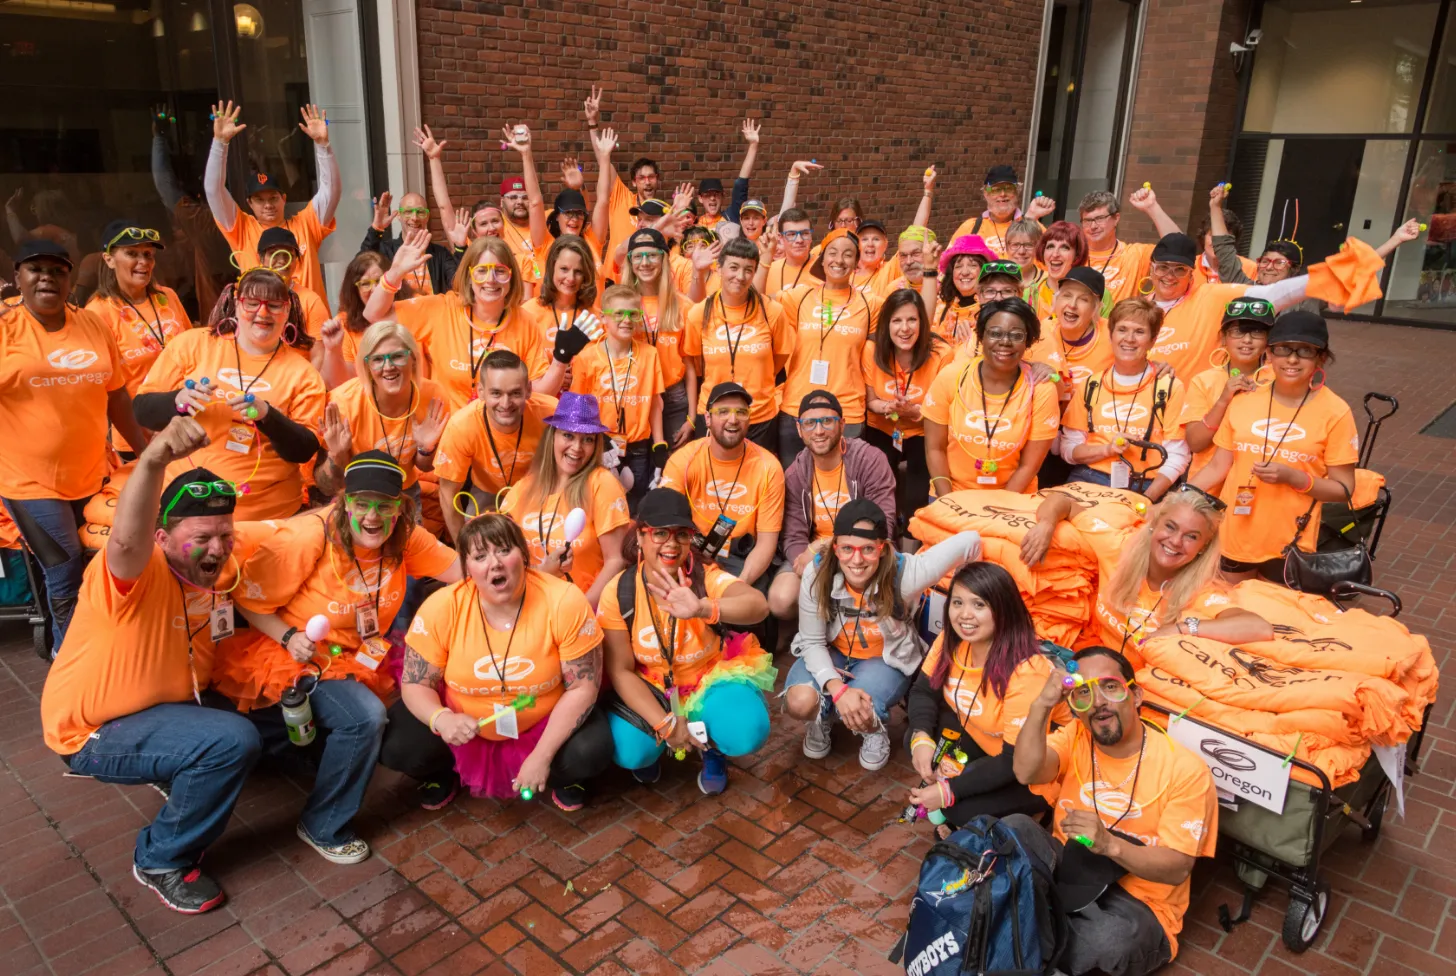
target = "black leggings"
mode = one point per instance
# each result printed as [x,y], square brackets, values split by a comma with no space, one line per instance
[411,748]
[912,489]
[1000,801]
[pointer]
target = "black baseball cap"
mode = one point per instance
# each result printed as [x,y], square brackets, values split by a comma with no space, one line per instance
[1089,278]
[1001,174]
[647,237]
[651,208]
[710,185]
[275,237]
[126,232]
[377,472]
[665,508]
[569,200]
[1176,249]
[1249,311]
[1300,325]
[727,390]
[862,510]
[186,505]
[39,247]
[259,182]
[820,400]
[878,225]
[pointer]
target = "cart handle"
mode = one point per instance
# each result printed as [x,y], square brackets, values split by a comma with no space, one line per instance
[1147,446]
[1347,590]
[1383,398]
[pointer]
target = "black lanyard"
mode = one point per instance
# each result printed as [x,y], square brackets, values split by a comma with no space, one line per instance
[500,668]
[364,582]
[158,333]
[814,481]
[1111,389]
[824,330]
[619,395]
[713,475]
[490,439]
[546,533]
[477,362]
[187,627]
[238,354]
[667,648]
[1264,453]
[991,429]
[1137,772]
[1116,250]
[733,343]
[407,418]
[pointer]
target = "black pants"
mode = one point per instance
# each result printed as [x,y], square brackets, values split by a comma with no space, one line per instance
[1001,801]
[639,462]
[411,748]
[765,435]
[912,488]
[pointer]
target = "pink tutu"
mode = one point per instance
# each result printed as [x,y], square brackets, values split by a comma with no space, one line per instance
[488,766]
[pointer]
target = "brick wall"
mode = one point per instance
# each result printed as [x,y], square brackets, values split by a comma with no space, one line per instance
[875,92]
[1186,107]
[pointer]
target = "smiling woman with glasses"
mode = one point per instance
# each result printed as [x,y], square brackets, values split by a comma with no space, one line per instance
[669,621]
[337,352]
[858,645]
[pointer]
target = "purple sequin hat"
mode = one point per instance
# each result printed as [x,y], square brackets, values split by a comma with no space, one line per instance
[577,413]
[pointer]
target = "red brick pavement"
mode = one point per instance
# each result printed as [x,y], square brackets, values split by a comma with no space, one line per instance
[796,869]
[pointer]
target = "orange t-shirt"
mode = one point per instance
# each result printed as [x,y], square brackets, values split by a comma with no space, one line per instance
[1122,269]
[881,281]
[606,509]
[305,225]
[1203,392]
[782,276]
[485,667]
[667,344]
[859,637]
[126,652]
[1174,805]
[1205,273]
[827,495]
[996,430]
[992,231]
[625,387]
[518,238]
[1122,411]
[287,381]
[682,275]
[1190,329]
[740,348]
[1074,363]
[471,448]
[695,648]
[315,312]
[456,345]
[141,330]
[53,394]
[547,321]
[749,490]
[886,386]
[832,330]
[1257,427]
[956,324]
[620,223]
[374,432]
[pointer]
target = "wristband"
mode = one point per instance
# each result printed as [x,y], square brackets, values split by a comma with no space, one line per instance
[920,738]
[437,713]
[947,797]
[834,699]
[288,635]
[664,728]
[1309,487]
[388,286]
[715,611]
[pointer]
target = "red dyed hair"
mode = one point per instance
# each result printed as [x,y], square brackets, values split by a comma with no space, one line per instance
[1067,233]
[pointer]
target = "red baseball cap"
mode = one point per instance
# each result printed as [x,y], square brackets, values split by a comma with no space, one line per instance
[512,184]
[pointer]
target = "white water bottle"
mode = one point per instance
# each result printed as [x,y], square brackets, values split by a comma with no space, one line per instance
[297,717]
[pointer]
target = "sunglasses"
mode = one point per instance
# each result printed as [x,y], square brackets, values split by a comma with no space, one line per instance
[819,423]
[252,305]
[388,507]
[482,273]
[1248,307]
[1001,267]
[660,536]
[138,234]
[1082,692]
[724,412]
[1218,504]
[848,550]
[414,211]
[400,358]
[1284,350]
[199,489]
[366,282]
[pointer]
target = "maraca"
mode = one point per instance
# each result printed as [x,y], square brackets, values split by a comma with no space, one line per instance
[575,522]
[1147,186]
[317,630]
[1119,441]
[1421,226]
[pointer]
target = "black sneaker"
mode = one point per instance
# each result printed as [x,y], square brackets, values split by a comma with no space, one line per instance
[438,793]
[569,798]
[185,890]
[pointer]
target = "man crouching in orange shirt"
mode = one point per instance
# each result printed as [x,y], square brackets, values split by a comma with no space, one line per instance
[123,701]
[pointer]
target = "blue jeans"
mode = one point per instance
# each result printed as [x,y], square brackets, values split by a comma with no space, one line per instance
[733,711]
[204,753]
[350,720]
[872,675]
[1081,472]
[51,530]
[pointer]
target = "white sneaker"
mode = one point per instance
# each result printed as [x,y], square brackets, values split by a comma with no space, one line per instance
[816,737]
[874,751]
[349,852]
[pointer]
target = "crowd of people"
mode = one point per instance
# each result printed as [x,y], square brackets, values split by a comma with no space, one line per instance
[548,495]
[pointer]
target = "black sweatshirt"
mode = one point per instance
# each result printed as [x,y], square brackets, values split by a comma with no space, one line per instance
[928,713]
[294,442]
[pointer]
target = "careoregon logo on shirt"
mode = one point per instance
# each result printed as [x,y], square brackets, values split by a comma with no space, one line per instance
[977,421]
[1278,430]
[357,583]
[400,448]
[531,522]
[418,627]
[238,381]
[72,358]
[589,626]
[199,607]
[647,638]
[967,702]
[1123,413]
[833,500]
[614,382]
[1194,828]
[725,490]
[1078,373]
[911,392]
[517,669]
[1111,802]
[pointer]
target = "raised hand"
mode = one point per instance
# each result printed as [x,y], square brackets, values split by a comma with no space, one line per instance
[225,121]
[802,168]
[1042,206]
[571,173]
[1143,198]
[603,142]
[459,232]
[1218,194]
[427,432]
[929,178]
[704,257]
[593,107]
[338,438]
[425,140]
[413,252]
[1408,231]
[332,334]
[315,124]
[682,197]
[383,216]
[750,130]
[177,440]
[517,137]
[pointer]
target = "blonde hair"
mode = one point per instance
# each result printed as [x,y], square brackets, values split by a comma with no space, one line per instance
[621,293]
[669,309]
[376,335]
[541,480]
[463,284]
[1178,592]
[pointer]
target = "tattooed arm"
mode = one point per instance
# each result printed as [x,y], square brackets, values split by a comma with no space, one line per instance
[582,679]
[419,686]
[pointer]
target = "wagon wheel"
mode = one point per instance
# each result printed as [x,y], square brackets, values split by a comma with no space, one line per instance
[1305,918]
[1375,815]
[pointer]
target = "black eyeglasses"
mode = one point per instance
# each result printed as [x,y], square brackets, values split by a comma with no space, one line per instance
[1218,504]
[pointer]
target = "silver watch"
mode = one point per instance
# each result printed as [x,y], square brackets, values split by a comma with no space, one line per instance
[1192,624]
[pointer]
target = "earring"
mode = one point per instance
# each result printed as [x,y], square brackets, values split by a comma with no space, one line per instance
[290,334]
[1313,386]
[1145,287]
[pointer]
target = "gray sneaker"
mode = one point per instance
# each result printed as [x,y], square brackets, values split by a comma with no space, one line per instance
[816,737]
[874,751]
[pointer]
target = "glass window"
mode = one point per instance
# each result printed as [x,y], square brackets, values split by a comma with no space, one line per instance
[1330,66]
[1441,110]
[1423,274]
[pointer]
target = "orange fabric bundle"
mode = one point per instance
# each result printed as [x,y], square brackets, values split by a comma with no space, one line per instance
[9,532]
[1349,278]
[1367,488]
[94,537]
[101,509]
[1374,708]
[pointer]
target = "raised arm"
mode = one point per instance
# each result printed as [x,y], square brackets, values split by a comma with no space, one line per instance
[518,137]
[214,177]
[315,125]
[924,568]
[412,255]
[801,168]
[163,178]
[603,142]
[439,188]
[922,212]
[129,547]
[1146,200]
[1404,234]
[1034,763]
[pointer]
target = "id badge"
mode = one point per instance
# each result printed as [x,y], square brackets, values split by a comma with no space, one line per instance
[1244,501]
[699,731]
[220,620]
[1121,474]
[898,440]
[240,438]
[366,621]
[985,479]
[372,653]
[819,371]
[505,722]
